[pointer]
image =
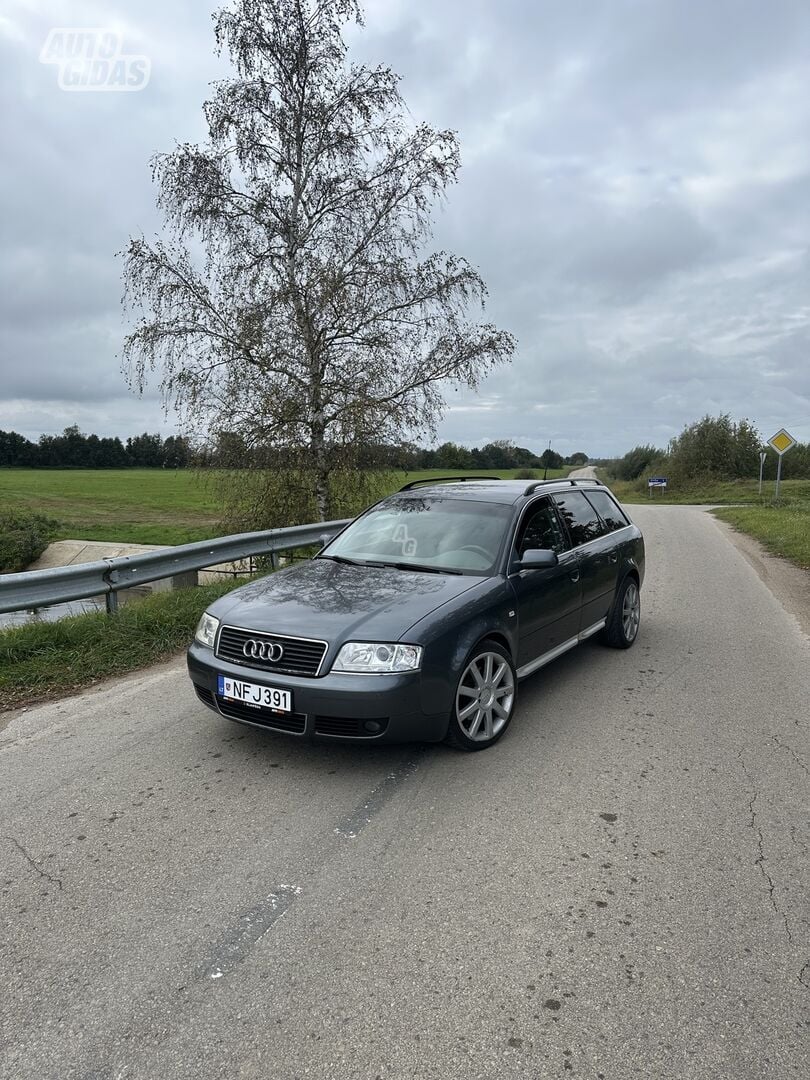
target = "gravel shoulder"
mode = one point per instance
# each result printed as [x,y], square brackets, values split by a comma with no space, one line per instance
[788,583]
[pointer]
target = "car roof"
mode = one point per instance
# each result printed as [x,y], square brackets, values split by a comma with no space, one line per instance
[494,490]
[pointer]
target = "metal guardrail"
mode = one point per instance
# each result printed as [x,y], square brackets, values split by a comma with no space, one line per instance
[108,577]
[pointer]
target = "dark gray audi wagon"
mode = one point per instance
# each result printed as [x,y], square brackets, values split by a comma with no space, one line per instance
[418,620]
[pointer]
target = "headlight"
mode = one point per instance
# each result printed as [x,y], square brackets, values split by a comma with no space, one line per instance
[206,632]
[374,658]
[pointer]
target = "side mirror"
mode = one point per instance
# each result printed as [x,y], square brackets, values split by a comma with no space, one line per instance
[324,539]
[538,559]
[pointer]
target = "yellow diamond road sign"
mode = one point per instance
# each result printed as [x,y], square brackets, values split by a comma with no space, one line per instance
[781,441]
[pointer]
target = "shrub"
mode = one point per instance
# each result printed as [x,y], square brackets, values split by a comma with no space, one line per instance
[715,448]
[23,538]
[795,463]
[636,461]
[525,474]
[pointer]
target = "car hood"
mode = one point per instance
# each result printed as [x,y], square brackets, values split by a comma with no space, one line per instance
[337,602]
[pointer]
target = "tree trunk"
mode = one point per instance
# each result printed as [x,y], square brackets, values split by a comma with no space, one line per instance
[320,467]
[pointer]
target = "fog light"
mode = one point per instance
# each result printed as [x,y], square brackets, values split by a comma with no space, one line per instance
[372,726]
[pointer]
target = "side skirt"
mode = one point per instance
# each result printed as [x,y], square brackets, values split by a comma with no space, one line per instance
[558,650]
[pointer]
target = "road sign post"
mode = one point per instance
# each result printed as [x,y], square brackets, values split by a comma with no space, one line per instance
[656,482]
[781,442]
[762,456]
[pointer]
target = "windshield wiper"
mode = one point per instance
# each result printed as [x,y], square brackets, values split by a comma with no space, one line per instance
[418,567]
[342,559]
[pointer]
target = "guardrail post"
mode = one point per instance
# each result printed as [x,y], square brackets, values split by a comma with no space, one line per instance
[111,598]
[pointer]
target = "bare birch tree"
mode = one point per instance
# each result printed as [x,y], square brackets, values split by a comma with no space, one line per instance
[292,300]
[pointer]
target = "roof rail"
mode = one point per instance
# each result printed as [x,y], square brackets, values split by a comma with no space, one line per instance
[562,480]
[444,480]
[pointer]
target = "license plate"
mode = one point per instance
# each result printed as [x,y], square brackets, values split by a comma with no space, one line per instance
[260,697]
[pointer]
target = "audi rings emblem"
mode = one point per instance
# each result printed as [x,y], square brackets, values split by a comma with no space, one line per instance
[263,650]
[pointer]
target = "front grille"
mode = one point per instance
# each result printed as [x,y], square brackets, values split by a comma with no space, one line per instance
[301,656]
[347,727]
[294,722]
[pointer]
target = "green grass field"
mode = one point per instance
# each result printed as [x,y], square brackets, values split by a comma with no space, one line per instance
[137,506]
[721,491]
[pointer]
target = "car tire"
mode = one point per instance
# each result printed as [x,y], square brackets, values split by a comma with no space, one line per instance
[485,697]
[621,630]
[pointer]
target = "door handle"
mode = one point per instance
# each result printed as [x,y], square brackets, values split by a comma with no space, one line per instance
[613,556]
[574,575]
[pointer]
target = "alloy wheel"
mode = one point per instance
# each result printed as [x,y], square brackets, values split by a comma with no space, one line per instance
[485,697]
[631,611]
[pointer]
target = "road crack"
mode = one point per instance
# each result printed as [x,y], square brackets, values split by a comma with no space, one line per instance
[33,863]
[784,746]
[761,858]
[795,839]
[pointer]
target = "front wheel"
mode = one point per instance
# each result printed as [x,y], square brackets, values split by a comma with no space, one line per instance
[485,698]
[622,629]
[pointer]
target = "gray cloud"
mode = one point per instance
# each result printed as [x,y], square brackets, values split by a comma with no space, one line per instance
[635,190]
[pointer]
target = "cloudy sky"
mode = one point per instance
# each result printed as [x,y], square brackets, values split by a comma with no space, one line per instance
[635,191]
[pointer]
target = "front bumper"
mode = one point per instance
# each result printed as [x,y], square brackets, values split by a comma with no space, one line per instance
[333,706]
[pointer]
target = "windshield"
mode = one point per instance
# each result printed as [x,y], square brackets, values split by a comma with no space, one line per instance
[448,535]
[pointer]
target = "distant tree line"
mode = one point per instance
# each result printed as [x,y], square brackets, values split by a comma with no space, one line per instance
[73,449]
[501,454]
[713,448]
[229,450]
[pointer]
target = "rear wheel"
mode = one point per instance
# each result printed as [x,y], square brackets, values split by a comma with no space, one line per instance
[485,698]
[622,629]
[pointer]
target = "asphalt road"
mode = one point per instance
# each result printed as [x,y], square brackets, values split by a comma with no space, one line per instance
[618,889]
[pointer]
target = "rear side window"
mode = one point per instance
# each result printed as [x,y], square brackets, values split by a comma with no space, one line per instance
[582,520]
[541,528]
[607,510]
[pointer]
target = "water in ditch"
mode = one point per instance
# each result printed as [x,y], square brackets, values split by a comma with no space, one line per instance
[50,614]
